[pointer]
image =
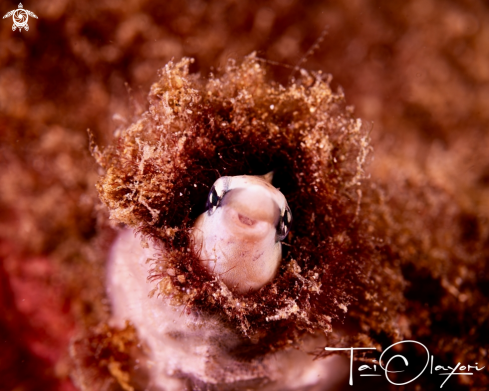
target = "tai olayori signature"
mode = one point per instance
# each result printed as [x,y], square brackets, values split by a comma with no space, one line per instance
[463,370]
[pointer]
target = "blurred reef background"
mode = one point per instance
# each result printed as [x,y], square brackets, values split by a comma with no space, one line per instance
[416,72]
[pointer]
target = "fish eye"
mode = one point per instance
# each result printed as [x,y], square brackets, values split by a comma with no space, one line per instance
[216,194]
[284,223]
[213,200]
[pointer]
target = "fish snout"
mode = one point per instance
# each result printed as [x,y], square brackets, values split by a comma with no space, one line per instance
[250,212]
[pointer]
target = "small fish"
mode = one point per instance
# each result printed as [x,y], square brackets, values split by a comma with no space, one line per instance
[238,237]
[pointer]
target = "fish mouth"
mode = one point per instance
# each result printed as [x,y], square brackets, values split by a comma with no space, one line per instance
[246,220]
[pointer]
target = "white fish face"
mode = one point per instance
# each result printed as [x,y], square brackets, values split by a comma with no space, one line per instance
[238,237]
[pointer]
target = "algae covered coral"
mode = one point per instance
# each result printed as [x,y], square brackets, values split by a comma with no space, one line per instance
[361,249]
[160,169]
[418,70]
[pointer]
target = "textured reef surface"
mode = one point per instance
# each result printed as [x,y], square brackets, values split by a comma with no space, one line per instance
[391,212]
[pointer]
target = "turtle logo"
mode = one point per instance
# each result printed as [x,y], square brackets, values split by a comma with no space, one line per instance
[20,17]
